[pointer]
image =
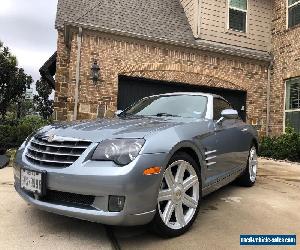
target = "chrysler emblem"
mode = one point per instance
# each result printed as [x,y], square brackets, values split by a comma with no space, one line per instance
[51,138]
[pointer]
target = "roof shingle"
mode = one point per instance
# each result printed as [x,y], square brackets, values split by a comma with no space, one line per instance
[161,19]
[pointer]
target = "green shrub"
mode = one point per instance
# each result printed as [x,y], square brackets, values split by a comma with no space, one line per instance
[12,136]
[5,131]
[286,146]
[35,122]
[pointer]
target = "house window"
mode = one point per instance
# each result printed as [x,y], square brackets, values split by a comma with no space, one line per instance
[238,15]
[292,104]
[293,12]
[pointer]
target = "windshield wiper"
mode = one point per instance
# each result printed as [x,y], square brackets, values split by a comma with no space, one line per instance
[157,115]
[166,114]
[130,115]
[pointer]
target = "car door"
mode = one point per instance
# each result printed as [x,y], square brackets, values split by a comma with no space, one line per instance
[208,142]
[245,142]
[228,139]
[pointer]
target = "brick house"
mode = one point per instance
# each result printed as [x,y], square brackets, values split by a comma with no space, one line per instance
[245,50]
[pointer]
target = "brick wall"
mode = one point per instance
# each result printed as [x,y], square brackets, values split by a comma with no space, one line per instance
[286,51]
[138,58]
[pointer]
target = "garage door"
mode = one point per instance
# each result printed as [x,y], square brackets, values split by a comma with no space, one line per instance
[133,89]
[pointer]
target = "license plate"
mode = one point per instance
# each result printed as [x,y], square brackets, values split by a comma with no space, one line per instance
[33,181]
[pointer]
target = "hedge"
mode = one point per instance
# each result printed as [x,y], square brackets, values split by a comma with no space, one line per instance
[12,136]
[283,147]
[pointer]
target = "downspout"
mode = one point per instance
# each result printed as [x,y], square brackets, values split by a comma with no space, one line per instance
[270,68]
[198,19]
[78,63]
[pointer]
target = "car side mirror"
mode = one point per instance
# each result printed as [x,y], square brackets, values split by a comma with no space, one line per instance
[118,112]
[228,114]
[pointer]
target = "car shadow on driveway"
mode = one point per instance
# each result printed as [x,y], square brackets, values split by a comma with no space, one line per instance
[141,237]
[57,224]
[70,232]
[224,215]
[138,237]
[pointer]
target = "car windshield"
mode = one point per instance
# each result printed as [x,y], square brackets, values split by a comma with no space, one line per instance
[188,106]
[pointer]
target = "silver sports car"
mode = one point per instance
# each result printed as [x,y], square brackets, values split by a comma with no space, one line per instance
[151,164]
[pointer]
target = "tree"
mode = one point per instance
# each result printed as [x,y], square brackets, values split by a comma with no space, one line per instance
[13,80]
[21,108]
[43,105]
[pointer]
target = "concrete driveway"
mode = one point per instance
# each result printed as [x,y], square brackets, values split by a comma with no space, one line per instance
[270,207]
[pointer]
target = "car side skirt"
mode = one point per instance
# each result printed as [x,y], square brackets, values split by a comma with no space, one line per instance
[221,182]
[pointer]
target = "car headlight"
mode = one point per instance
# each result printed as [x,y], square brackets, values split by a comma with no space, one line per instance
[121,151]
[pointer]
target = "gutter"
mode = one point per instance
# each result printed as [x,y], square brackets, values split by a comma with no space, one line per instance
[199,44]
[78,63]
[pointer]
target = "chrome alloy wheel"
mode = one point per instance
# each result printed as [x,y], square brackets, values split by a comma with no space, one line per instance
[252,164]
[178,195]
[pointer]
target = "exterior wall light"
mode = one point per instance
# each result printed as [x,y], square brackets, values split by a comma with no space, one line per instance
[95,72]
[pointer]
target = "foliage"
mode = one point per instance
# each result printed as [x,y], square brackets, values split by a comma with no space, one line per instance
[20,109]
[15,122]
[11,154]
[12,136]
[35,122]
[13,85]
[43,105]
[13,80]
[286,146]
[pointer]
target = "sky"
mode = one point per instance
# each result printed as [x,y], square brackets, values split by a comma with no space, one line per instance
[27,28]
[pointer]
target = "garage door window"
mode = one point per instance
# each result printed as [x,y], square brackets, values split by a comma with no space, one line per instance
[293,12]
[292,105]
[238,15]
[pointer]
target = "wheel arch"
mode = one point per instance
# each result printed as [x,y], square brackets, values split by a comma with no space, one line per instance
[191,153]
[256,144]
[190,149]
[158,225]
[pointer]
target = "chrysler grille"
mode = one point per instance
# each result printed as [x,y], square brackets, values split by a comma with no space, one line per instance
[62,153]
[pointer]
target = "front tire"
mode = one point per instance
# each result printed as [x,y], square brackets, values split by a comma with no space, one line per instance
[179,197]
[248,177]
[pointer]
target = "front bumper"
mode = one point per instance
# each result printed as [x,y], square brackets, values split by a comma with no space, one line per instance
[101,179]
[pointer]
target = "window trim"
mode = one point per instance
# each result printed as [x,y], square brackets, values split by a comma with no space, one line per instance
[287,13]
[285,110]
[292,110]
[238,9]
[292,5]
[285,100]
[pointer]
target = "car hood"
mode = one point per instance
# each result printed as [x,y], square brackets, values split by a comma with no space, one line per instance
[101,129]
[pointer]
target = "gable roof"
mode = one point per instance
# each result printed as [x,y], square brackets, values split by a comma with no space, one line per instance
[161,19]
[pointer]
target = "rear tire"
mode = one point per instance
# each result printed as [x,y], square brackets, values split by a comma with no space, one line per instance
[248,177]
[179,197]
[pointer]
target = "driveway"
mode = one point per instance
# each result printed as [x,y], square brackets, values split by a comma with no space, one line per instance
[270,207]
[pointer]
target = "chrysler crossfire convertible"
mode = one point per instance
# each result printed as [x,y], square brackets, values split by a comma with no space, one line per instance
[151,164]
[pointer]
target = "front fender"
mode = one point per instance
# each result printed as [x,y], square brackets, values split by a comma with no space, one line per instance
[174,139]
[165,141]
[198,151]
